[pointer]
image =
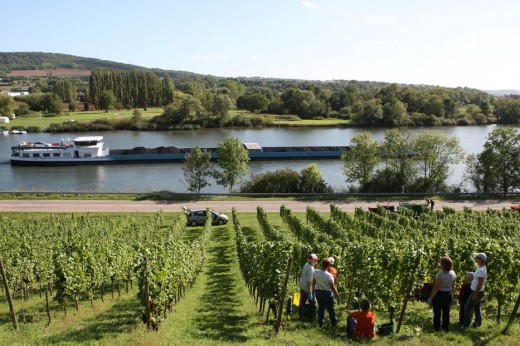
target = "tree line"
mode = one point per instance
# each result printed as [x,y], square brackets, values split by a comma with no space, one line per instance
[400,163]
[423,163]
[206,101]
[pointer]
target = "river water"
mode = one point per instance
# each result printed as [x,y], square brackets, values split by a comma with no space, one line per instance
[169,176]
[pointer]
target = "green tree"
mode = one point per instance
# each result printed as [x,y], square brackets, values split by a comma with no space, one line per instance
[362,159]
[369,113]
[65,89]
[168,91]
[233,158]
[235,88]
[52,103]
[497,168]
[397,150]
[6,105]
[296,101]
[197,169]
[395,114]
[434,152]
[221,105]
[311,180]
[72,106]
[507,111]
[253,102]
[107,100]
[137,116]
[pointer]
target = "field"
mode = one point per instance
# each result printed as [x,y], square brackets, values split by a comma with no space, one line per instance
[46,73]
[44,121]
[218,307]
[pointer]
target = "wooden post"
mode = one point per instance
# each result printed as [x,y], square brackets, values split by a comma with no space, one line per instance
[47,307]
[407,295]
[8,295]
[146,294]
[513,315]
[282,298]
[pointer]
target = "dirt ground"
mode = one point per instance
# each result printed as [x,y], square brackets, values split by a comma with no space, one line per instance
[222,206]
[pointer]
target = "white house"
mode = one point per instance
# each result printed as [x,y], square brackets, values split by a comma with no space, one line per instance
[4,120]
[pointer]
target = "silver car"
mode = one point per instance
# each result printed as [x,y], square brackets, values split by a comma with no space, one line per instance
[199,216]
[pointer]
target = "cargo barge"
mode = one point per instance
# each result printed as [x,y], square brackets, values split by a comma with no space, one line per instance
[91,151]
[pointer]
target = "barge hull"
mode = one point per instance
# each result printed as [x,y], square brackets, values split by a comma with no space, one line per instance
[176,158]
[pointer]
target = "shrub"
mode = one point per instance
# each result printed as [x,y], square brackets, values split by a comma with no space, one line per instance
[33,129]
[280,181]
[22,111]
[288,117]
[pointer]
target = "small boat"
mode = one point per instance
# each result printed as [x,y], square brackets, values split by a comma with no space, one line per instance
[4,132]
[18,132]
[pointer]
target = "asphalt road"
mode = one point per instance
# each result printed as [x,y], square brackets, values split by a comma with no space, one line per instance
[222,206]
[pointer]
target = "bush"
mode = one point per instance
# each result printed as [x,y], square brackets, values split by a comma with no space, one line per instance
[70,126]
[280,181]
[22,111]
[288,117]
[33,129]
[309,180]
[261,120]
[464,122]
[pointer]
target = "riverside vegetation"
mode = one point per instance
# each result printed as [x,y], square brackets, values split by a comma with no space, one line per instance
[191,100]
[378,256]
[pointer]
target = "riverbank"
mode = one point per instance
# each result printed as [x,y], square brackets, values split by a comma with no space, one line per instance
[41,122]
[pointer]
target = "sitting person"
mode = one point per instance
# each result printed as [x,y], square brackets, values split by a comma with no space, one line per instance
[464,293]
[365,321]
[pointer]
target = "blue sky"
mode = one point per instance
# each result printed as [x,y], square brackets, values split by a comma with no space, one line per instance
[472,43]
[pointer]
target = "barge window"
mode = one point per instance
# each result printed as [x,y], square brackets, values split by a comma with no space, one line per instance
[66,154]
[25,155]
[87,155]
[46,154]
[56,154]
[36,155]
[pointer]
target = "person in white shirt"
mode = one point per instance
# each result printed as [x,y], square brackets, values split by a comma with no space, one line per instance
[306,282]
[477,292]
[323,286]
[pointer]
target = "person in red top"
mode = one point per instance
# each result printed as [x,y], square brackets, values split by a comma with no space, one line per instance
[333,270]
[365,321]
[464,293]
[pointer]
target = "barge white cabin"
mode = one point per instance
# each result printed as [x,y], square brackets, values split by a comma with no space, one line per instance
[79,149]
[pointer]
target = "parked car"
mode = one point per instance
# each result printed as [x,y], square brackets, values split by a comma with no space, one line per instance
[198,217]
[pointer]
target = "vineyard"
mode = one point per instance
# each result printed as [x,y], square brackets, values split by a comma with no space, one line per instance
[73,259]
[173,278]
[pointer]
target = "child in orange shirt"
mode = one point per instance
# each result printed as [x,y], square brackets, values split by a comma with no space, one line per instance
[365,321]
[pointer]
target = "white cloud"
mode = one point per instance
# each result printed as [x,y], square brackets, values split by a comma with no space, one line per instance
[218,39]
[381,19]
[309,4]
[253,57]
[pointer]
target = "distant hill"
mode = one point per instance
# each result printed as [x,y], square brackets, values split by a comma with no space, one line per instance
[503,92]
[55,61]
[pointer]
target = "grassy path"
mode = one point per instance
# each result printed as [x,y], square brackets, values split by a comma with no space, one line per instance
[217,309]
